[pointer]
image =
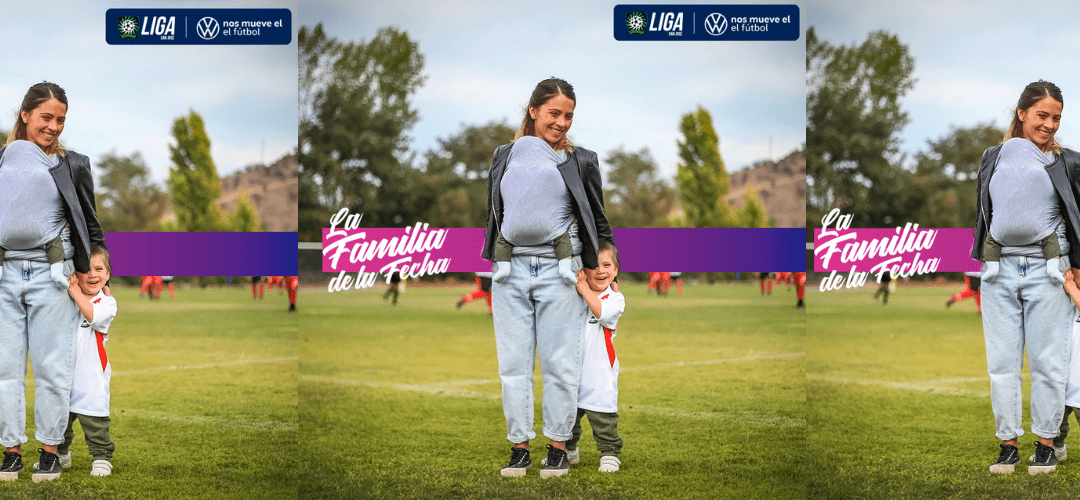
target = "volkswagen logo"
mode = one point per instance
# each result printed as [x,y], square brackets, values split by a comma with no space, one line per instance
[716,24]
[208,28]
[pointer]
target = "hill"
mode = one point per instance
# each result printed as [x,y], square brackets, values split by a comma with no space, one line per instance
[272,189]
[781,187]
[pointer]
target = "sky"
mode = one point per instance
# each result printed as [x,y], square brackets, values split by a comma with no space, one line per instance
[125,99]
[483,59]
[972,58]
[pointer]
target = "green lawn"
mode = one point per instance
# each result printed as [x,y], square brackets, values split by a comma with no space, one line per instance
[204,402]
[899,403]
[404,402]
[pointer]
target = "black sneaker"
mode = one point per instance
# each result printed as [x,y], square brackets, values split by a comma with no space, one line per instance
[1045,459]
[519,461]
[48,467]
[11,467]
[292,308]
[556,464]
[1007,459]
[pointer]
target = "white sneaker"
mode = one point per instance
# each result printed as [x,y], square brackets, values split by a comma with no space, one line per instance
[100,468]
[65,461]
[609,463]
[1061,453]
[573,456]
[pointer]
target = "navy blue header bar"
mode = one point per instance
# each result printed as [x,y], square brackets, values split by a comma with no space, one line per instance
[198,26]
[707,22]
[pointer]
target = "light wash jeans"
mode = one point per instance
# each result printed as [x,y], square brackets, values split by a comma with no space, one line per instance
[1023,308]
[535,311]
[39,317]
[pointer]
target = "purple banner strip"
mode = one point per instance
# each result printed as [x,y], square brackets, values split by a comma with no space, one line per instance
[203,254]
[907,249]
[640,249]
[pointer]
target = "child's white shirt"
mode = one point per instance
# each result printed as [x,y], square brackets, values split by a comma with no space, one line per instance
[90,390]
[599,389]
[1072,391]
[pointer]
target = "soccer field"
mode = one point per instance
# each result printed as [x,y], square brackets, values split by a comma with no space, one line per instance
[204,402]
[404,402]
[899,402]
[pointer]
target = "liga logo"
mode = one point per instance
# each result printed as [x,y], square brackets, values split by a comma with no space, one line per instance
[128,26]
[636,23]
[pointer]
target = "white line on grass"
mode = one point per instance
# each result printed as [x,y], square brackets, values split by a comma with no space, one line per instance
[208,365]
[200,419]
[727,417]
[751,357]
[942,386]
[438,388]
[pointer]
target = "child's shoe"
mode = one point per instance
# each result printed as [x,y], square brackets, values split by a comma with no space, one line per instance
[566,271]
[501,271]
[65,461]
[11,467]
[100,467]
[574,456]
[48,467]
[991,272]
[609,463]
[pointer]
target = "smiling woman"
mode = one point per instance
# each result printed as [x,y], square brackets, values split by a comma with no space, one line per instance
[46,196]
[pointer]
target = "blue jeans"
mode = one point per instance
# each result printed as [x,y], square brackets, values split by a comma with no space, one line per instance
[536,312]
[39,317]
[1023,308]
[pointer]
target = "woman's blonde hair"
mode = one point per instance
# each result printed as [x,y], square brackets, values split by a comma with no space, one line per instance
[1033,93]
[37,94]
[543,92]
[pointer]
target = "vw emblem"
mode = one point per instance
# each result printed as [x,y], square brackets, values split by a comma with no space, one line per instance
[716,24]
[208,28]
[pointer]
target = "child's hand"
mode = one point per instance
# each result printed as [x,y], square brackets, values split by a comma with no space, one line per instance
[615,286]
[1070,280]
[582,286]
[73,285]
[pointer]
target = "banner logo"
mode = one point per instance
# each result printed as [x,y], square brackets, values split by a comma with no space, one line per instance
[636,22]
[128,26]
[207,28]
[716,24]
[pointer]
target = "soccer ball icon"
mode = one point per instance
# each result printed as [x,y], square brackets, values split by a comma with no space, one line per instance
[635,23]
[128,26]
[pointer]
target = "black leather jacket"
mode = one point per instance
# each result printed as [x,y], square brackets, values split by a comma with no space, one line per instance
[1064,174]
[581,173]
[76,185]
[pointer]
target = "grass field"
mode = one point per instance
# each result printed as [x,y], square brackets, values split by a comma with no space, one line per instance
[204,402]
[899,403]
[404,402]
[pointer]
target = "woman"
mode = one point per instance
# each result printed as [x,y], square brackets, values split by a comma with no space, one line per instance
[541,183]
[1022,306]
[38,316]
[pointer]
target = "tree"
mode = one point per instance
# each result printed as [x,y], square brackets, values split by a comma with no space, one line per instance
[852,117]
[701,177]
[246,217]
[193,180]
[946,177]
[354,115]
[634,195]
[126,199]
[454,183]
[753,212]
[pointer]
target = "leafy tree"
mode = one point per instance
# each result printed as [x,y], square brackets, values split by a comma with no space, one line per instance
[701,177]
[126,199]
[753,212]
[635,196]
[946,177]
[193,179]
[355,112]
[852,117]
[454,183]
[246,217]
